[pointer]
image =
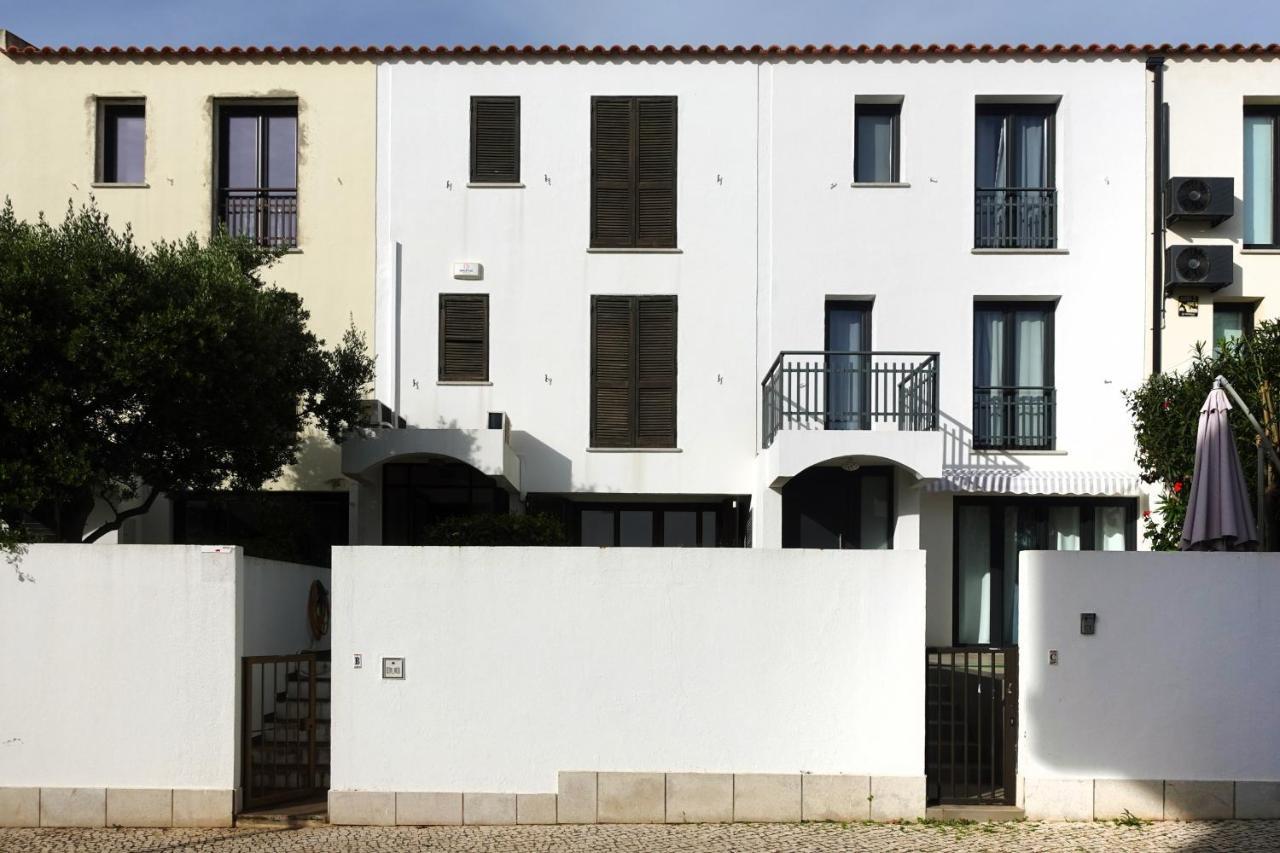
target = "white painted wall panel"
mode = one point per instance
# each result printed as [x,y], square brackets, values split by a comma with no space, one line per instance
[523,662]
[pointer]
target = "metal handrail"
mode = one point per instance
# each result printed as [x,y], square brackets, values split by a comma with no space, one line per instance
[871,389]
[1003,418]
[266,215]
[1015,217]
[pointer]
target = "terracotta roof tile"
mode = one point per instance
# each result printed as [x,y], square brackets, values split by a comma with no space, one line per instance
[727,51]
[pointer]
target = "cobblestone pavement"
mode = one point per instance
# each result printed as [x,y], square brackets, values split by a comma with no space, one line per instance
[714,838]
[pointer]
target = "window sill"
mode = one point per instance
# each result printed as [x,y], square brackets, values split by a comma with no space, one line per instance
[462,382]
[495,185]
[592,250]
[1019,251]
[991,451]
[890,185]
[1260,251]
[111,185]
[634,450]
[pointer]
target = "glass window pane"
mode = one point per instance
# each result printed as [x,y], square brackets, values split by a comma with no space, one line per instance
[1259,188]
[1228,323]
[992,168]
[1109,528]
[1064,528]
[597,527]
[709,539]
[282,152]
[680,528]
[876,519]
[973,529]
[1031,135]
[636,528]
[242,152]
[873,136]
[124,145]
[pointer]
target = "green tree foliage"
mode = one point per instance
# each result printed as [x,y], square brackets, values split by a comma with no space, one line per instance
[1166,412]
[127,372]
[489,529]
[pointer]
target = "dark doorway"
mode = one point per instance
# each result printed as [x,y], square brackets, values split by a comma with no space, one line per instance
[831,507]
[848,365]
[417,495]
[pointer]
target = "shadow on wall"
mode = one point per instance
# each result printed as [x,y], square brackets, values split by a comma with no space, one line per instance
[319,466]
[957,448]
[541,465]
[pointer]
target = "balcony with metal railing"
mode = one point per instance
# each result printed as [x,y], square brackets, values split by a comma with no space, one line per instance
[267,216]
[1015,218]
[824,404]
[1014,417]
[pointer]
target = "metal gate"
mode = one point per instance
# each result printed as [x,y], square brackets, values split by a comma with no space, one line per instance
[971,722]
[285,728]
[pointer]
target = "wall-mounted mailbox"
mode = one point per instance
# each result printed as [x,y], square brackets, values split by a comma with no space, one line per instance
[1088,623]
[393,667]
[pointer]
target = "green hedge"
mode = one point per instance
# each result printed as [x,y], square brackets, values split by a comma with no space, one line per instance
[488,529]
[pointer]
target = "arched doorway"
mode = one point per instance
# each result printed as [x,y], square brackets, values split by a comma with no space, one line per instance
[839,506]
[417,494]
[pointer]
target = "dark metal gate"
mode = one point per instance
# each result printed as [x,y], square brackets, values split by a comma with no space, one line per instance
[285,728]
[971,723]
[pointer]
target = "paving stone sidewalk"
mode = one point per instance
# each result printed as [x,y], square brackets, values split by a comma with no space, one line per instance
[1245,836]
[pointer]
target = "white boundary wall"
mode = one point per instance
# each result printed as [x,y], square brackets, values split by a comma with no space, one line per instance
[522,662]
[120,678]
[1177,692]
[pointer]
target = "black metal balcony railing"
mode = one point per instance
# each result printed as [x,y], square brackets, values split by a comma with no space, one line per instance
[1015,218]
[269,217]
[828,389]
[1010,417]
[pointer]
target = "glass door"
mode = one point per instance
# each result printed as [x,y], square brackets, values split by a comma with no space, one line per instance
[848,365]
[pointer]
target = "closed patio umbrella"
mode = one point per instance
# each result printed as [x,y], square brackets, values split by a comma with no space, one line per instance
[1218,514]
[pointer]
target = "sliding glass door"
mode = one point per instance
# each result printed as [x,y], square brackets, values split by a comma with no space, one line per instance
[990,533]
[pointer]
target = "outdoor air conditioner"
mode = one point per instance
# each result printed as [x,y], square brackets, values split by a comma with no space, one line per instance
[1208,200]
[1209,267]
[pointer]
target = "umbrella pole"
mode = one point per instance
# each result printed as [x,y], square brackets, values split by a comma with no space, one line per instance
[1262,498]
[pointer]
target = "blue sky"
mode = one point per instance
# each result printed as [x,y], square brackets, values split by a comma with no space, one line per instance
[636,21]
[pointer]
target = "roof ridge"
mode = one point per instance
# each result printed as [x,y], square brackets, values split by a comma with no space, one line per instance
[510,50]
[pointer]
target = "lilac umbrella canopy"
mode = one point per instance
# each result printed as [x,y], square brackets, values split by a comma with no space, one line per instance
[1219,517]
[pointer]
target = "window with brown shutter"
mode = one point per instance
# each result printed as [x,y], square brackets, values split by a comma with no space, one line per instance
[633,371]
[495,140]
[633,173]
[464,337]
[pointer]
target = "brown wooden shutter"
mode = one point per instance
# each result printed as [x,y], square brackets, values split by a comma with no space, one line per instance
[612,371]
[613,213]
[464,337]
[495,140]
[656,173]
[656,371]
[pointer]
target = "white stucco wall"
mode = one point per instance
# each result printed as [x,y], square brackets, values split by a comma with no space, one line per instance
[275,607]
[520,663]
[120,668]
[1206,99]
[1179,682]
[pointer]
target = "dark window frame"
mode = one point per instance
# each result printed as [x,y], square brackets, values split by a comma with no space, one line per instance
[727,533]
[512,177]
[1271,112]
[866,306]
[444,337]
[1009,359]
[1008,111]
[1247,310]
[224,111]
[634,349]
[595,241]
[894,111]
[107,140]
[1039,504]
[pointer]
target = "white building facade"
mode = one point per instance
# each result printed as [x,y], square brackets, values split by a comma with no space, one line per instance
[889,302]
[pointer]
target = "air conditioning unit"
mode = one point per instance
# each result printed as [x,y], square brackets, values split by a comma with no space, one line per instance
[1208,200]
[1208,267]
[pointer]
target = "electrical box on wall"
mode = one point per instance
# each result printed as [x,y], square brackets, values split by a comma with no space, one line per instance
[468,270]
[393,667]
[1088,623]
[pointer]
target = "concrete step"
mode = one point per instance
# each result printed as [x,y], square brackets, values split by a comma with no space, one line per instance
[977,813]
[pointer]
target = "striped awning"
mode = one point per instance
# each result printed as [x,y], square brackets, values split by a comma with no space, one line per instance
[1020,481]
